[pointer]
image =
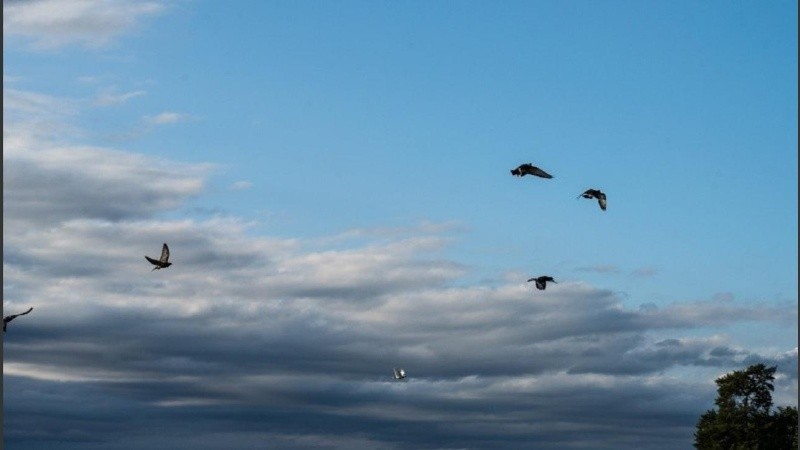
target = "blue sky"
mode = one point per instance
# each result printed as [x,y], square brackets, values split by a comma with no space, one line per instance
[341,165]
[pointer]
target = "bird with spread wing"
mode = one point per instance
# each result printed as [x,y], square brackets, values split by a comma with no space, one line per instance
[595,193]
[162,262]
[541,282]
[529,169]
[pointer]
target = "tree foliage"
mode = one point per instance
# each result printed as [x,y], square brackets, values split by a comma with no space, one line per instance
[743,420]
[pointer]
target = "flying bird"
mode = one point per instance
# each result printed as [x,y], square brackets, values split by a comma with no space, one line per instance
[595,193]
[541,282]
[161,262]
[399,374]
[529,169]
[7,319]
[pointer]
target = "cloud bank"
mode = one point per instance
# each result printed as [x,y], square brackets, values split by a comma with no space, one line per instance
[248,340]
[254,341]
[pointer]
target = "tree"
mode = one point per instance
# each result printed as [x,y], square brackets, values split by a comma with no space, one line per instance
[743,420]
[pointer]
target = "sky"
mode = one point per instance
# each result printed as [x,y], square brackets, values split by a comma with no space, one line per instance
[333,181]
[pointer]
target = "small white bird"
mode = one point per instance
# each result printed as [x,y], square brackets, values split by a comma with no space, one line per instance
[399,374]
[161,262]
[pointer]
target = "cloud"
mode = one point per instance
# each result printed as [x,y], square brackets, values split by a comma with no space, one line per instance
[46,184]
[250,338]
[10,79]
[30,106]
[166,118]
[254,327]
[110,97]
[51,24]
[32,116]
[241,185]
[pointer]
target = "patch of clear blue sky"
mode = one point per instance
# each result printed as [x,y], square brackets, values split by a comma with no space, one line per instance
[356,114]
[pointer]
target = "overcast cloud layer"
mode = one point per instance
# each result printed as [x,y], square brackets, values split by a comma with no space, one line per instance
[246,340]
[257,341]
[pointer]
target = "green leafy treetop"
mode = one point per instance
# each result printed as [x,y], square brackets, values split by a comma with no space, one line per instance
[743,420]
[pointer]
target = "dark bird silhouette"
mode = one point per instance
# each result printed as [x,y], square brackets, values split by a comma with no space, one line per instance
[7,319]
[161,262]
[399,374]
[595,193]
[541,282]
[529,169]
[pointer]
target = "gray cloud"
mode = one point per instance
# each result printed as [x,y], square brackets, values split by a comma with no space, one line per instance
[252,338]
[47,184]
[490,367]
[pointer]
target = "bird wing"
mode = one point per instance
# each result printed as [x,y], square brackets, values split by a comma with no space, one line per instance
[7,319]
[521,170]
[531,279]
[164,253]
[602,200]
[152,261]
[540,173]
[540,284]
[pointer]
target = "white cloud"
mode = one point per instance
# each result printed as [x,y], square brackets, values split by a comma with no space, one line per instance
[241,185]
[50,24]
[31,106]
[10,78]
[32,116]
[88,79]
[166,118]
[110,97]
